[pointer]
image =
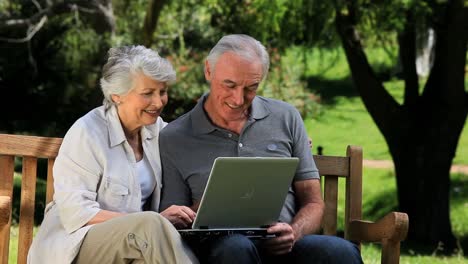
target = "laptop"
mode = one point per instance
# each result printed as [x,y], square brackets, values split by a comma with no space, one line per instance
[243,195]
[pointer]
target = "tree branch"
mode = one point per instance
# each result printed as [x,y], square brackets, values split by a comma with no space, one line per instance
[446,82]
[380,104]
[38,6]
[96,6]
[151,20]
[407,52]
[29,35]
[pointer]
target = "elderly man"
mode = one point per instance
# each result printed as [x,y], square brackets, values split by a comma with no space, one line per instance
[231,120]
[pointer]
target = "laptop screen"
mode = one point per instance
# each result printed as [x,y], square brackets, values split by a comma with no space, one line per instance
[245,192]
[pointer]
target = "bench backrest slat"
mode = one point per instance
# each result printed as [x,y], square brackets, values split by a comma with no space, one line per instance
[39,147]
[50,180]
[31,148]
[350,168]
[332,165]
[28,191]
[330,197]
[7,167]
[353,199]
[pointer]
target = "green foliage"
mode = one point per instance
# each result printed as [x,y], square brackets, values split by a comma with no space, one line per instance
[130,16]
[60,78]
[194,29]
[190,85]
[9,8]
[279,23]
[285,82]
[55,74]
[79,43]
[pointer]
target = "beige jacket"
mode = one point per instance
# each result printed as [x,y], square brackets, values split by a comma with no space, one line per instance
[95,169]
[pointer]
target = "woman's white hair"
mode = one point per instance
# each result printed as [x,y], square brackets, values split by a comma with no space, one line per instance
[125,62]
[242,45]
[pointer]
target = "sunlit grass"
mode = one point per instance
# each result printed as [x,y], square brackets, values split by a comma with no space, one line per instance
[380,198]
[13,252]
[371,255]
[347,122]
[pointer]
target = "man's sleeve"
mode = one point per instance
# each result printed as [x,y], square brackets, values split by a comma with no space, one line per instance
[174,189]
[301,149]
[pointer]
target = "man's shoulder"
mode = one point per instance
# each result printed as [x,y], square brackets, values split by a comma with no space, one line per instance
[277,106]
[179,126]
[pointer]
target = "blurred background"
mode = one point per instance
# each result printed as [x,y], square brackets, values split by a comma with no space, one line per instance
[389,76]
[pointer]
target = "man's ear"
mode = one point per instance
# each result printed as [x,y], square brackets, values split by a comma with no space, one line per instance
[207,71]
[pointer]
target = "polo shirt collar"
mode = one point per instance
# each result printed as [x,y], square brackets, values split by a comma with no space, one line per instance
[259,108]
[201,124]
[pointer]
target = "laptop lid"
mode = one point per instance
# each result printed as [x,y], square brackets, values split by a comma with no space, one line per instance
[245,192]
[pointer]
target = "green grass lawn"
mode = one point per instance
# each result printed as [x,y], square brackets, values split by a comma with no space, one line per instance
[343,119]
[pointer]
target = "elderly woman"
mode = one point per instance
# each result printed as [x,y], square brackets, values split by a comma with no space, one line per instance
[108,172]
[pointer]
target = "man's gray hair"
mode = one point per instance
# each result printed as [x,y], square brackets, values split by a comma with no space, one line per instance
[242,45]
[125,62]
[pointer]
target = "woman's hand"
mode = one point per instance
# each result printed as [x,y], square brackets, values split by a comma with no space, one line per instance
[179,216]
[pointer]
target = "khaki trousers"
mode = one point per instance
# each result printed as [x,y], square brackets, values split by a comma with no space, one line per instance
[145,237]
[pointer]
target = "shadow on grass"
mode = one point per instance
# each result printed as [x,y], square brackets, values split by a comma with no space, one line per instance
[410,248]
[330,89]
[379,205]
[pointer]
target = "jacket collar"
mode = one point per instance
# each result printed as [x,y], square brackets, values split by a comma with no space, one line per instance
[116,133]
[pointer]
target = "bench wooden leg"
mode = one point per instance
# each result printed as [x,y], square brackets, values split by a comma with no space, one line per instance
[390,252]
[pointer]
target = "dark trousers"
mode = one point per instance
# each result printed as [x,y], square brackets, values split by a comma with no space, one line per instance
[310,249]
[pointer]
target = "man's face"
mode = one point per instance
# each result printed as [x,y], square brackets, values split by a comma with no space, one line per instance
[234,82]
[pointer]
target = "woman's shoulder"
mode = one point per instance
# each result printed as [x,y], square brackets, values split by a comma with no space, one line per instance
[92,123]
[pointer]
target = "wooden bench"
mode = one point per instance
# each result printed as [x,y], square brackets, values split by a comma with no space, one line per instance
[389,231]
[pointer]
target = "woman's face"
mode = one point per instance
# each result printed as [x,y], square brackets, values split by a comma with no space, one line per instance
[143,104]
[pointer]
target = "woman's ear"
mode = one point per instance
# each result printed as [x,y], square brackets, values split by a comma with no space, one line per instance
[116,98]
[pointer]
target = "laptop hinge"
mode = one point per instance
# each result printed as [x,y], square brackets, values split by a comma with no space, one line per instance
[204,227]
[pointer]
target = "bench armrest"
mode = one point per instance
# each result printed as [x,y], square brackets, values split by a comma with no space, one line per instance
[393,226]
[389,230]
[5,205]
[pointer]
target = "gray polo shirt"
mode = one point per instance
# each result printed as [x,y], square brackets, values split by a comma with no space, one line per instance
[190,144]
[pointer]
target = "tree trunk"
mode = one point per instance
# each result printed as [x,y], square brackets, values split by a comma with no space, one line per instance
[151,20]
[423,154]
[422,133]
